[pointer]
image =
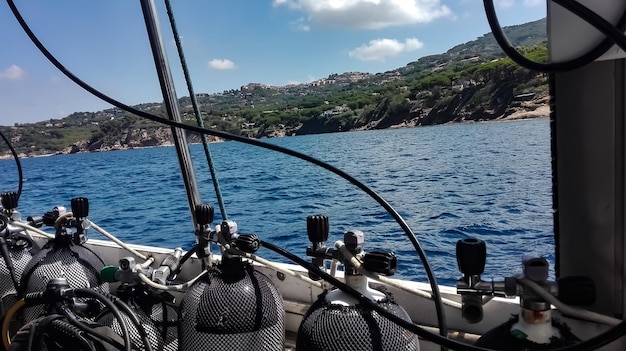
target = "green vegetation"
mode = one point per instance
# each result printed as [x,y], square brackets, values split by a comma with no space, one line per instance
[344,100]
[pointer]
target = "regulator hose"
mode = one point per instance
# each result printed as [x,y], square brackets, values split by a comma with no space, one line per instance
[590,344]
[407,230]
[133,317]
[83,292]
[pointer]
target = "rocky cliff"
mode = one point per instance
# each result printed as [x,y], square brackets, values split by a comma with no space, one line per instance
[463,106]
[129,138]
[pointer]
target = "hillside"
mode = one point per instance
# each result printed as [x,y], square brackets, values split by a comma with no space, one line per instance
[470,82]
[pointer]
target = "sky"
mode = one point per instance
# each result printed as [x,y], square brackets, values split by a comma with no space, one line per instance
[227,44]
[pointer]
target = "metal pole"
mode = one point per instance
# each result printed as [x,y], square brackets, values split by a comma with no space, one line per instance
[196,110]
[170,101]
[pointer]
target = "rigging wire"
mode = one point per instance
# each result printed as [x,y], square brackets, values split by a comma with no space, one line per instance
[18,164]
[196,110]
[405,227]
[553,67]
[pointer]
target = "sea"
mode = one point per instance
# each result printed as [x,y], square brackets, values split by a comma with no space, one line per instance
[487,180]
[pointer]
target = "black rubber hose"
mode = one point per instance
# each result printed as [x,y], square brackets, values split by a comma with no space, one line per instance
[185,257]
[133,317]
[405,227]
[18,164]
[604,26]
[4,250]
[75,322]
[553,67]
[83,292]
[590,344]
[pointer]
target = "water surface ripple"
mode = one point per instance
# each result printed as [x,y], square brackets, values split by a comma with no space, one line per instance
[485,180]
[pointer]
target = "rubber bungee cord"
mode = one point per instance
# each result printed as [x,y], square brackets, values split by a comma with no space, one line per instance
[405,227]
[554,67]
[18,164]
[196,110]
[593,343]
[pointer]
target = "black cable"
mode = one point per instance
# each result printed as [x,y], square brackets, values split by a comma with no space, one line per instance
[419,331]
[74,321]
[18,164]
[185,257]
[133,317]
[590,344]
[4,250]
[553,67]
[83,292]
[592,18]
[407,230]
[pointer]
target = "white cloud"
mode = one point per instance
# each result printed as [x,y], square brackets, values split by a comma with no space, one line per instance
[504,4]
[300,24]
[13,73]
[534,2]
[369,14]
[221,64]
[379,49]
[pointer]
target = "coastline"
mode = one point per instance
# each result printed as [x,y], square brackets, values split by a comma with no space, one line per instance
[542,111]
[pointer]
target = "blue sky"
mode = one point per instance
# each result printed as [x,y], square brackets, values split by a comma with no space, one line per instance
[227,44]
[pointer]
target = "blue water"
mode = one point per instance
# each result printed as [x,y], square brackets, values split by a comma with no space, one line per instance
[485,180]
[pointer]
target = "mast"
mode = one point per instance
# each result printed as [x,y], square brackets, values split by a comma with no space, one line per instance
[170,102]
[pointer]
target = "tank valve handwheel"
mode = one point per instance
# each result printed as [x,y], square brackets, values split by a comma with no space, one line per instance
[80,207]
[471,255]
[384,262]
[248,243]
[9,200]
[204,214]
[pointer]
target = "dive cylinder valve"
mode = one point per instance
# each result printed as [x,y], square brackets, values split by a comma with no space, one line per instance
[154,308]
[204,235]
[16,249]
[67,322]
[64,256]
[337,321]
[534,327]
[232,306]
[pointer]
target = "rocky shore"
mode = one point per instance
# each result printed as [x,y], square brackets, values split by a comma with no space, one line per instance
[158,137]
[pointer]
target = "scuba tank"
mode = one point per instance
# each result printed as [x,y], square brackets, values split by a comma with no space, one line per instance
[336,321]
[64,256]
[534,328]
[67,321]
[15,249]
[155,309]
[232,306]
